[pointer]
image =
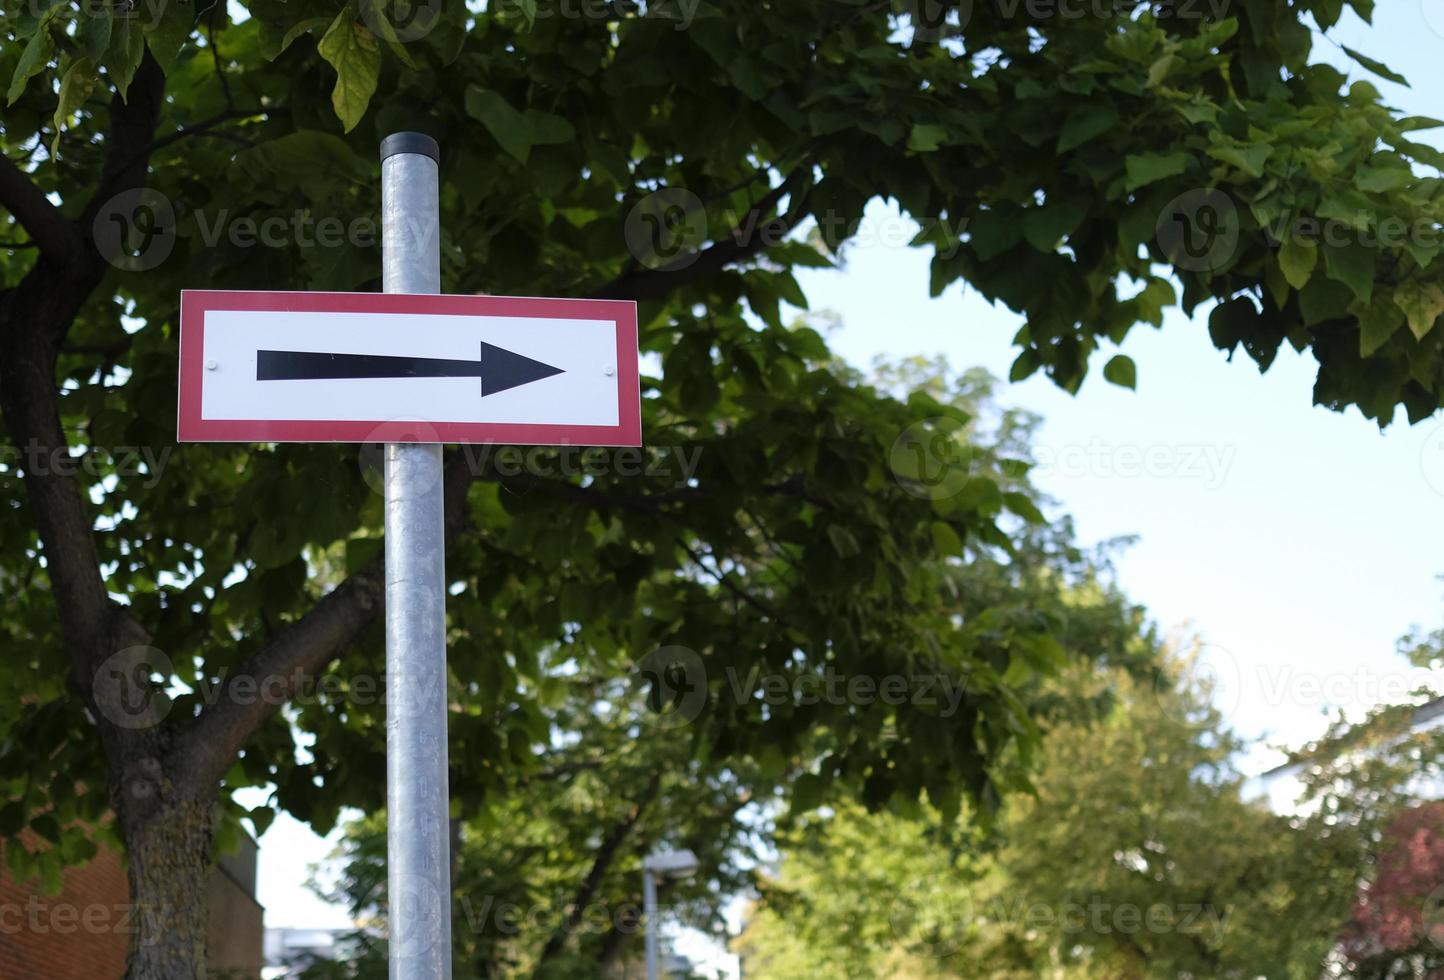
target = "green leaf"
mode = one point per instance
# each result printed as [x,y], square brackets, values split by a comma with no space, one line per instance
[1422,302]
[124,54]
[1045,226]
[1377,67]
[297,29]
[1353,265]
[352,50]
[926,137]
[35,58]
[1232,322]
[384,29]
[1297,258]
[1023,505]
[1121,370]
[509,128]
[168,33]
[842,541]
[76,85]
[547,129]
[1378,321]
[1084,124]
[94,34]
[1382,180]
[1147,168]
[1250,159]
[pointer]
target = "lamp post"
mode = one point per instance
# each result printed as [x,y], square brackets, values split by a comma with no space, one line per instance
[672,864]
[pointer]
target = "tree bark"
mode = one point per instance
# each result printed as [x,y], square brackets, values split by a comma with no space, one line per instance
[169,850]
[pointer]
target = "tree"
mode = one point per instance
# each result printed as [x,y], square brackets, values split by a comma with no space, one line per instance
[684,155]
[1137,857]
[556,894]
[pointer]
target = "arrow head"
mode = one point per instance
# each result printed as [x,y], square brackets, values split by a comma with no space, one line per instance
[502,369]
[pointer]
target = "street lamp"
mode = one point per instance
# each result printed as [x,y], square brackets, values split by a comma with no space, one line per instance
[672,864]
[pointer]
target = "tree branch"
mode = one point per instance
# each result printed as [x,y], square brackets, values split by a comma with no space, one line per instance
[35,316]
[754,235]
[58,239]
[279,669]
[606,853]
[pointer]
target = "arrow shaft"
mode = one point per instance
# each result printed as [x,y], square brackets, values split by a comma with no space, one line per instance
[294,365]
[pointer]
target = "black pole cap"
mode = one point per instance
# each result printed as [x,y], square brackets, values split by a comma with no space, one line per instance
[411,143]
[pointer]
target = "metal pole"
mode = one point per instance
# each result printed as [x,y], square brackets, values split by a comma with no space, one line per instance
[417,842]
[649,909]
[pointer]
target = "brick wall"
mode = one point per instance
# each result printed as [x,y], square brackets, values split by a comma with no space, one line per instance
[80,934]
[83,932]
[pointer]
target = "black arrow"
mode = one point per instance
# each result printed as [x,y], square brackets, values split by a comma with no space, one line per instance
[498,368]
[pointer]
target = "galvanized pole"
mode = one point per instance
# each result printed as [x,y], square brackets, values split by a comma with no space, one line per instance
[649,909]
[418,860]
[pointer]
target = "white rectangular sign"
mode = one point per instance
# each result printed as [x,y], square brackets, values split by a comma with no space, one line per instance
[393,367]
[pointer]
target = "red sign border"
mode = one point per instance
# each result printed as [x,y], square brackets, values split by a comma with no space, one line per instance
[195,303]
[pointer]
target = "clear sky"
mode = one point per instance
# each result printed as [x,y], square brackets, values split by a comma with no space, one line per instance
[1298,543]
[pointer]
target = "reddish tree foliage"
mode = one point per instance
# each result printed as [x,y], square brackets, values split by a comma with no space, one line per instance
[1400,912]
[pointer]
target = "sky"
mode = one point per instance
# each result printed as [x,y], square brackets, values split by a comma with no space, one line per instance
[1298,544]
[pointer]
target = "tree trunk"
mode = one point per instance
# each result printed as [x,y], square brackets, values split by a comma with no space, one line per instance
[168,843]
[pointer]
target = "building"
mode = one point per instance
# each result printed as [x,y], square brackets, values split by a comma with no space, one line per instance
[83,932]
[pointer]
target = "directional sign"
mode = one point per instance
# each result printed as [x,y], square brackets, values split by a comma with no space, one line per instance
[392,367]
